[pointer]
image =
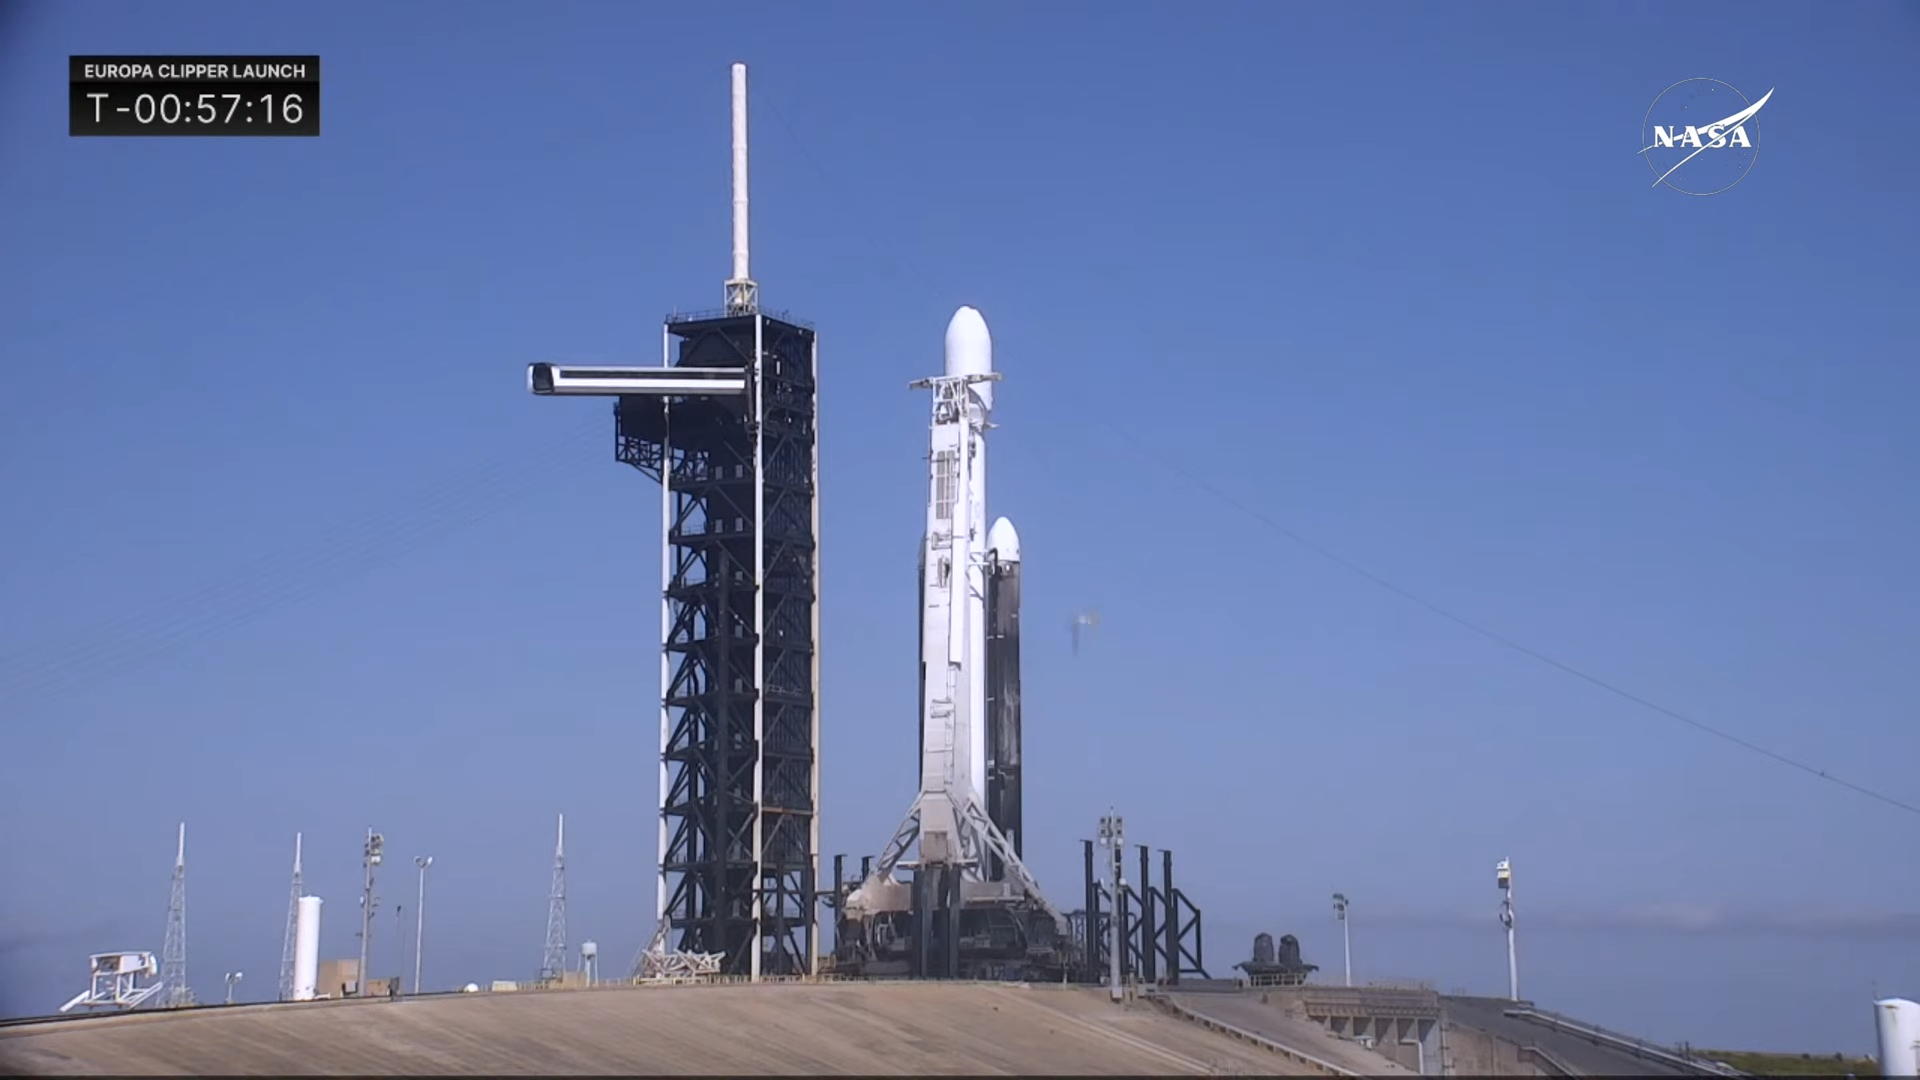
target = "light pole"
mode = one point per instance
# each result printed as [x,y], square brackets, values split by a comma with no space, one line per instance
[370,860]
[232,977]
[420,917]
[1504,873]
[1112,838]
[1346,932]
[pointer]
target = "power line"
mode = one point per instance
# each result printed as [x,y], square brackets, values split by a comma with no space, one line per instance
[1501,639]
[1202,484]
[290,576]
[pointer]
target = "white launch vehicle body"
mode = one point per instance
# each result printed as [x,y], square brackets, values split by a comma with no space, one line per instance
[957,533]
[949,818]
[953,588]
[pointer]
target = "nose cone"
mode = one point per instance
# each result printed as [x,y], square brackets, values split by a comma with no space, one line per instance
[1003,541]
[970,350]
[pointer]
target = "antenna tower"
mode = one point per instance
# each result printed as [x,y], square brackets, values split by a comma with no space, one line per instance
[173,954]
[369,903]
[554,963]
[293,919]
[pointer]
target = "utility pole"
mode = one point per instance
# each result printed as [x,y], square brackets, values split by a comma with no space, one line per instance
[553,962]
[173,952]
[420,918]
[1504,872]
[369,861]
[1113,839]
[293,920]
[1346,932]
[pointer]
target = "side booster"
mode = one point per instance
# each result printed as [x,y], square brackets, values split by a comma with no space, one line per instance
[1003,688]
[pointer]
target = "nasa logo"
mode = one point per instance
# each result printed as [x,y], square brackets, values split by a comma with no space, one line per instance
[1699,137]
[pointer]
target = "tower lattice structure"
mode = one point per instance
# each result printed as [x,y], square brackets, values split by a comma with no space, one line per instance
[293,919]
[739,844]
[553,962]
[728,427]
[173,954]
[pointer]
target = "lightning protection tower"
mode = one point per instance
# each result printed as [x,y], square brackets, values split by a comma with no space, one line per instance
[288,947]
[727,428]
[553,963]
[173,953]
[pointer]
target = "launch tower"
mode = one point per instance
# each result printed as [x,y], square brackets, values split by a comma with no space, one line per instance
[727,427]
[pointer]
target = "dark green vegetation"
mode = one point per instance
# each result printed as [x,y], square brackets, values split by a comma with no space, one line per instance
[1758,1064]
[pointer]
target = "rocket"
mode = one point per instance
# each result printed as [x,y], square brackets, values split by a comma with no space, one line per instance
[969,612]
[966,818]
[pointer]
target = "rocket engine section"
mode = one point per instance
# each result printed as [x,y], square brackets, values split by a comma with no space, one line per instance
[1003,688]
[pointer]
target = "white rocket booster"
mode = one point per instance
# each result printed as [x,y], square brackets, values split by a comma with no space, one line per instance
[953,587]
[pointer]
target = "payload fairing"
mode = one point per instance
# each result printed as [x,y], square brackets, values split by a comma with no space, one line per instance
[966,817]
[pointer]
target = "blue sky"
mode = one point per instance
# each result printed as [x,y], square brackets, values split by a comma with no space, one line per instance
[289,547]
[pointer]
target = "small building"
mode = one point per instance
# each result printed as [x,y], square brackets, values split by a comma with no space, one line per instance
[338,978]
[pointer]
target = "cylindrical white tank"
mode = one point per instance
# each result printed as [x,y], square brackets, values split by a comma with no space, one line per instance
[306,949]
[1897,1021]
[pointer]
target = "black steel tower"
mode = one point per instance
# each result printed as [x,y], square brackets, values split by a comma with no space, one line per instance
[728,429]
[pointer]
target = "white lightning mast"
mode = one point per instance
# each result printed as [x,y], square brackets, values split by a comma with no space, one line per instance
[743,296]
[553,963]
[289,948]
[173,954]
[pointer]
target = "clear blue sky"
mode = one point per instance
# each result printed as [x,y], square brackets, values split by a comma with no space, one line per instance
[289,547]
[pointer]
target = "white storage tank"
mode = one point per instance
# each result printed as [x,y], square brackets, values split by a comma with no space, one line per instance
[1897,1022]
[306,949]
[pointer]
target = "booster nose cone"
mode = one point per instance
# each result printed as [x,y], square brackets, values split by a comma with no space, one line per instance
[1003,541]
[970,350]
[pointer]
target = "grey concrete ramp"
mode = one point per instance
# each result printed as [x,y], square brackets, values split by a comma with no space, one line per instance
[741,1030]
[1582,1057]
[1248,1013]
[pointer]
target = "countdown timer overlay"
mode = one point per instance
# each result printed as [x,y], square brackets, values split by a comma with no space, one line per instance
[194,95]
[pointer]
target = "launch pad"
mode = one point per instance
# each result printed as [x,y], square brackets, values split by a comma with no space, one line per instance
[967,907]
[940,924]
[920,928]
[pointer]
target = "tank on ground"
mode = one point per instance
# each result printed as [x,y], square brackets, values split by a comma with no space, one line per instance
[1276,967]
